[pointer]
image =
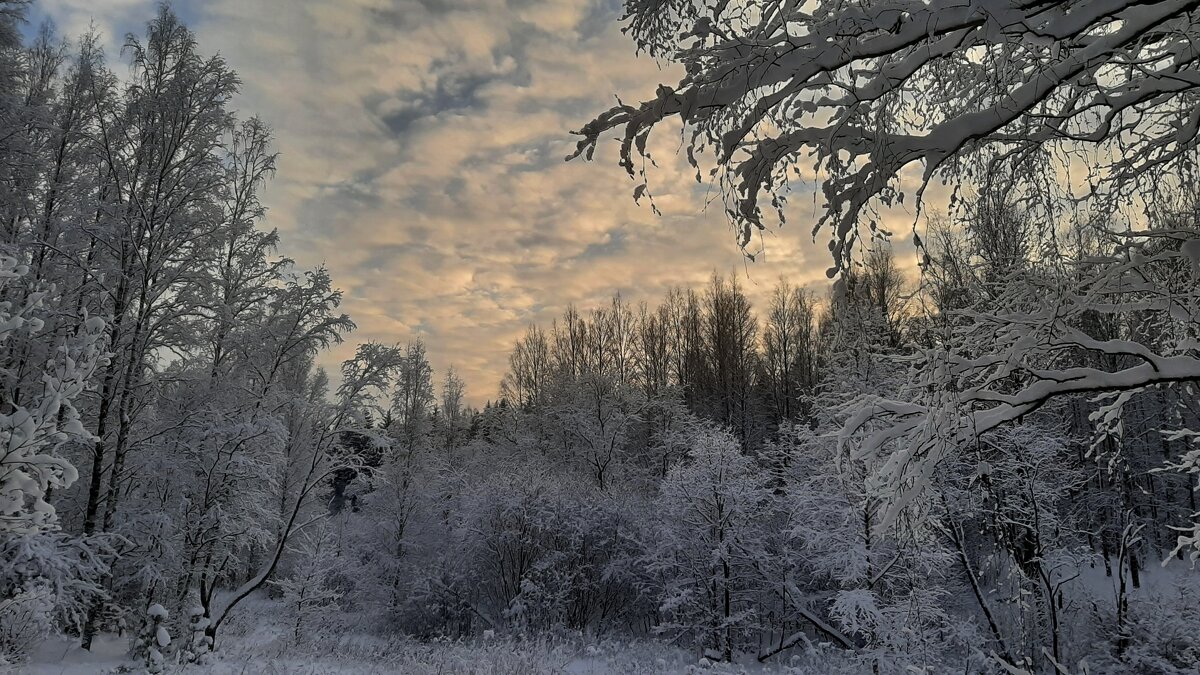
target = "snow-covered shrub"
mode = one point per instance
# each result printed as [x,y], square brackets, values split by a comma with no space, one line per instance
[480,543]
[152,640]
[586,576]
[546,553]
[199,644]
[48,580]
[26,616]
[440,600]
[1161,634]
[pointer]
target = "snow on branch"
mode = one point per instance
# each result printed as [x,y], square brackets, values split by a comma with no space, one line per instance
[31,434]
[1003,365]
[961,88]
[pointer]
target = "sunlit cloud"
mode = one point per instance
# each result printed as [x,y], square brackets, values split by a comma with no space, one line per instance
[422,147]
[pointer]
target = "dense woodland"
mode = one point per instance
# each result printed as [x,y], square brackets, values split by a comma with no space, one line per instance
[984,462]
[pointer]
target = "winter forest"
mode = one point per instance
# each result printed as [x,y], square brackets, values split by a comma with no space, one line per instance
[975,448]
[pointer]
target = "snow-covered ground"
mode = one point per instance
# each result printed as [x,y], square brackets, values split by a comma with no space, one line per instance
[260,643]
[359,654]
[260,640]
[62,656]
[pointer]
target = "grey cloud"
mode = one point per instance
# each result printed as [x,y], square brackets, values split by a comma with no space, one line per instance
[614,243]
[451,91]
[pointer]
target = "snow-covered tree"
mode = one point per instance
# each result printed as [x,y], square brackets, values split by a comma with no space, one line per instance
[48,582]
[309,590]
[528,374]
[709,545]
[789,349]
[1027,349]
[596,416]
[413,400]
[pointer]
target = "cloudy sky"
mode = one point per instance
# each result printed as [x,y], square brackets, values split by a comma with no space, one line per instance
[422,146]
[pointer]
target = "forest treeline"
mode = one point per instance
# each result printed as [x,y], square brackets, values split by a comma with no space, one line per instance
[715,440]
[699,471]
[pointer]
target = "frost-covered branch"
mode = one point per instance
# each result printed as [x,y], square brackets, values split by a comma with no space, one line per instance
[30,434]
[852,94]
